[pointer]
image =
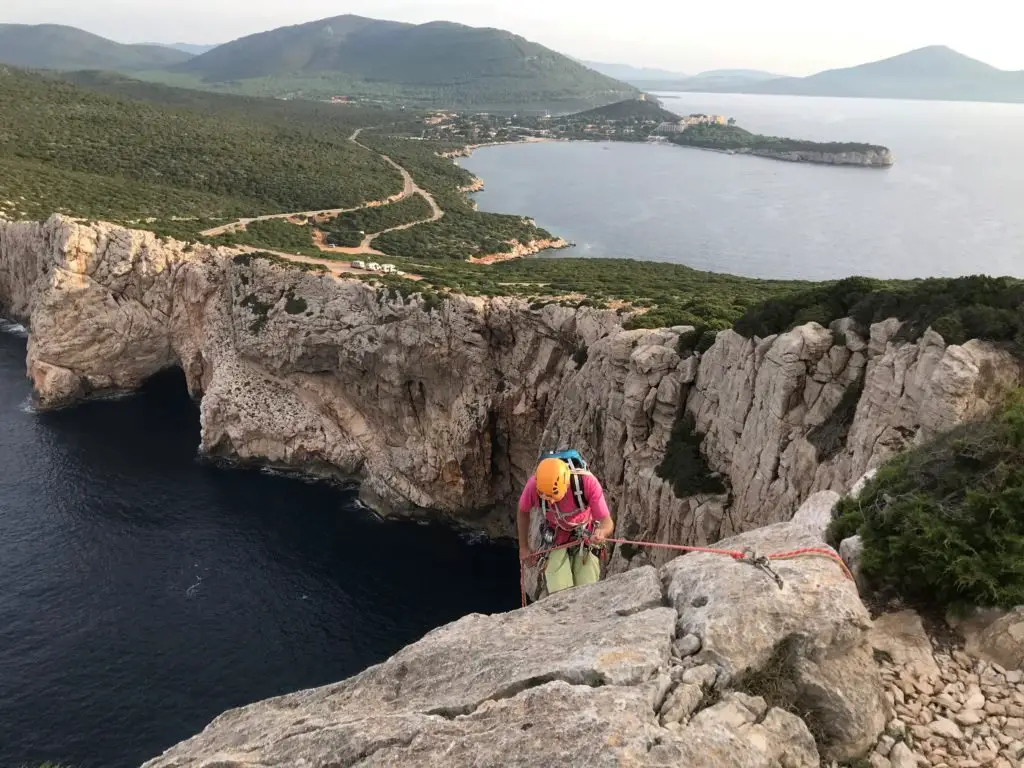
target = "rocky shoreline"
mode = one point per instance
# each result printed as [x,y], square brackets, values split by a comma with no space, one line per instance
[874,159]
[522,250]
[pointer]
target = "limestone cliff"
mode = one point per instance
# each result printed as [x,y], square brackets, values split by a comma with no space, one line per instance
[445,409]
[648,668]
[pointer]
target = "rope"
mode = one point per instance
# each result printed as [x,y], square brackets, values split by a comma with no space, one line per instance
[734,554]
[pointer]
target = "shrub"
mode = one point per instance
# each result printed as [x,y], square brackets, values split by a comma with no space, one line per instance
[943,524]
[683,465]
[295,306]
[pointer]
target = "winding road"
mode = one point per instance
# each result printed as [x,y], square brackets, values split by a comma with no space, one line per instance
[409,187]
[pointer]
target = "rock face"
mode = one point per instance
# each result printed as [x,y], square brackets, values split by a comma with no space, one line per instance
[588,677]
[872,158]
[446,408]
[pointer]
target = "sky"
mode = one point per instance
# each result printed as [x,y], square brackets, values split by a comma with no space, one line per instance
[790,37]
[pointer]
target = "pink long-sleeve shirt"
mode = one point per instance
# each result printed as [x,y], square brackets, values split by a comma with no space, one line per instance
[597,508]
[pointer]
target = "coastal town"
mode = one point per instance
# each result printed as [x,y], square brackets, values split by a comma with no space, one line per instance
[643,119]
[638,119]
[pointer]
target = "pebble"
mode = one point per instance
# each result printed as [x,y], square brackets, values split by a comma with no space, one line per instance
[943,727]
[902,757]
[969,716]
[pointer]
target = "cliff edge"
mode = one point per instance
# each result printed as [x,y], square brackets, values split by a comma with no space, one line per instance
[651,667]
[445,407]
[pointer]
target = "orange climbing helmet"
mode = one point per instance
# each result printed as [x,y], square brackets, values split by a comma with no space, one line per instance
[553,477]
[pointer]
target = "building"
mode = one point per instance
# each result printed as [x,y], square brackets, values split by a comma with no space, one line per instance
[359,265]
[388,268]
[701,119]
[373,266]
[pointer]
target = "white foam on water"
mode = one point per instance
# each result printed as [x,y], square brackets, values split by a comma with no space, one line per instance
[27,405]
[15,329]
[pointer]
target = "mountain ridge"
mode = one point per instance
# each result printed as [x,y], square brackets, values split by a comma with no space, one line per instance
[57,46]
[934,72]
[356,54]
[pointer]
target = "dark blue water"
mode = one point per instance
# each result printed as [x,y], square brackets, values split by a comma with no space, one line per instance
[143,592]
[950,206]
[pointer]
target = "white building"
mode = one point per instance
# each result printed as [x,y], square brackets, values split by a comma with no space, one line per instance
[359,265]
[373,266]
[388,268]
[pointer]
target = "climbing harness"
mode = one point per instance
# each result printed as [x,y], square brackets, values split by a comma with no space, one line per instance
[748,555]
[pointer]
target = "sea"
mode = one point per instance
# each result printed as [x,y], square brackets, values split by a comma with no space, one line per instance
[144,591]
[953,204]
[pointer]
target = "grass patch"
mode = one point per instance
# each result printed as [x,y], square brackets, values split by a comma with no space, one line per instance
[684,466]
[943,523]
[775,682]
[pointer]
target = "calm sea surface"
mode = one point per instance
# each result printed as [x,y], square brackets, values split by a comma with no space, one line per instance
[143,592]
[953,204]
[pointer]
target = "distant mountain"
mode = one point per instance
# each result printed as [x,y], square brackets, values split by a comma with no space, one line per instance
[630,109]
[52,46]
[745,74]
[934,72]
[711,80]
[628,73]
[195,50]
[440,62]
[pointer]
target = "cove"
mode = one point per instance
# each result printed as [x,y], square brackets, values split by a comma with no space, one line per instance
[144,591]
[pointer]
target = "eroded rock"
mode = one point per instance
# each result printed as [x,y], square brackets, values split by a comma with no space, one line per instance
[816,620]
[584,677]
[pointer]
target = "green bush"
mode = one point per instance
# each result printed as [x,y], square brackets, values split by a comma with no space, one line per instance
[684,465]
[943,523]
[295,305]
[959,309]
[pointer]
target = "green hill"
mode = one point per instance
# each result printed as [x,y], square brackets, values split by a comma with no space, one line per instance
[934,72]
[635,110]
[103,155]
[435,63]
[52,46]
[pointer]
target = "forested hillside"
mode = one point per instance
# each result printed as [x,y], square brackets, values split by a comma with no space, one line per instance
[65,148]
[435,63]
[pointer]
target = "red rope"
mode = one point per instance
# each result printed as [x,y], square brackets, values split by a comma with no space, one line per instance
[734,554]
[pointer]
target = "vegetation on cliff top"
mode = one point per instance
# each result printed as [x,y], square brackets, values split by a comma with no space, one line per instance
[672,294]
[943,523]
[714,136]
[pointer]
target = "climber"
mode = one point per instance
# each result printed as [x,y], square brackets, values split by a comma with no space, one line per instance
[572,502]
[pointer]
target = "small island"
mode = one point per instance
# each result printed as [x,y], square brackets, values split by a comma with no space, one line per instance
[645,119]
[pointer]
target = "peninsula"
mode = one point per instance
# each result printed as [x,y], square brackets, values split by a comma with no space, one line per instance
[644,119]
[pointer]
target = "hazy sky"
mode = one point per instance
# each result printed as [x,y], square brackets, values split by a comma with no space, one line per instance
[785,36]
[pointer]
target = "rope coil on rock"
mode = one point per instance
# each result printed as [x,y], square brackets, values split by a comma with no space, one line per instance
[750,556]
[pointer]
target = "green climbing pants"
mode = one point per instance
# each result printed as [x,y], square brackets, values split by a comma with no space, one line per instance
[571,567]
